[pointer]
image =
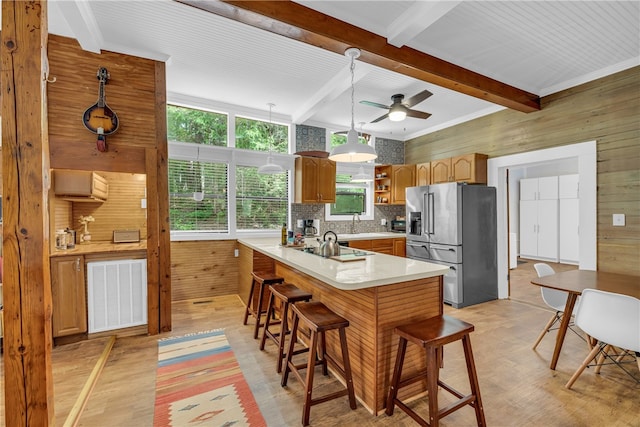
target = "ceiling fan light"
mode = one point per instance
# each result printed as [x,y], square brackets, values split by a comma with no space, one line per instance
[397,113]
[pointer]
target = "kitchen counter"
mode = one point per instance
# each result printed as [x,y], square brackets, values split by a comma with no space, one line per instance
[100,247]
[374,270]
[375,295]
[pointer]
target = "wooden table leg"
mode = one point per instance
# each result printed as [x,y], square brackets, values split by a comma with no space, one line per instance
[562,330]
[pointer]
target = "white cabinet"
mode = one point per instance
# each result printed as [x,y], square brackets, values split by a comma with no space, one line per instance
[539,218]
[569,219]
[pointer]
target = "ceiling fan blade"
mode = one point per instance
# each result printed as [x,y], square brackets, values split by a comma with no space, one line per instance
[380,118]
[418,114]
[417,98]
[375,104]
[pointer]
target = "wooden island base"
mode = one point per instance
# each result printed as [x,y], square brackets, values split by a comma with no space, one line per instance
[372,313]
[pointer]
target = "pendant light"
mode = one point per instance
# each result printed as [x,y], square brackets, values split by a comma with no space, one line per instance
[270,168]
[361,176]
[353,150]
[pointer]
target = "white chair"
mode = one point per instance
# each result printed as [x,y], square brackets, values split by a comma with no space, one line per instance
[552,297]
[614,321]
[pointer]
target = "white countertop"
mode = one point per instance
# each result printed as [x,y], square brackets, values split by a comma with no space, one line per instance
[375,270]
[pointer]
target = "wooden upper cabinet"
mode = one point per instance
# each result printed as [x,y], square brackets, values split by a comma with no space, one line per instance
[470,168]
[315,180]
[441,171]
[402,176]
[423,174]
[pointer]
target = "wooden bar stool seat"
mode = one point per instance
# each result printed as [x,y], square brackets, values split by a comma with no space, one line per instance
[260,279]
[432,334]
[287,294]
[319,319]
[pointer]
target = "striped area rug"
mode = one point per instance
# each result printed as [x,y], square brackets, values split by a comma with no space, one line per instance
[199,383]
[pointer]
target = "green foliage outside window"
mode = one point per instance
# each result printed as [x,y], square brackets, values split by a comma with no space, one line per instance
[261,136]
[196,126]
[350,198]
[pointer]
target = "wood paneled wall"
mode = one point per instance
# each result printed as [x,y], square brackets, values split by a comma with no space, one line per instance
[203,269]
[606,110]
[136,91]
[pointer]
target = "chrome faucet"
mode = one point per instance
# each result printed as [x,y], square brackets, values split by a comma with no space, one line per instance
[353,223]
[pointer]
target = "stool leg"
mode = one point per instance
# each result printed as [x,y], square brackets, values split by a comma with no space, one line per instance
[265,331]
[432,385]
[292,343]
[473,380]
[397,372]
[284,325]
[259,312]
[313,348]
[347,368]
[248,308]
[323,352]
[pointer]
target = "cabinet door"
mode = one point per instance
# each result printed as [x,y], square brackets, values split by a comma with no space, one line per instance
[471,168]
[528,228]
[400,247]
[306,180]
[68,296]
[383,246]
[440,171]
[548,188]
[569,222]
[360,244]
[529,189]
[403,176]
[327,180]
[423,174]
[548,229]
[568,186]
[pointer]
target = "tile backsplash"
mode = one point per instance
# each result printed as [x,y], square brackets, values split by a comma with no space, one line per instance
[316,211]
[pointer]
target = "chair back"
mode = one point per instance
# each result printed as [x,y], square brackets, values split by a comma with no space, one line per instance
[610,318]
[552,297]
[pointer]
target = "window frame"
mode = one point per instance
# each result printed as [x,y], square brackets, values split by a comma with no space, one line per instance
[232,157]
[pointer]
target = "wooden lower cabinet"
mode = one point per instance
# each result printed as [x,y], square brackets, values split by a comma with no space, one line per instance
[395,246]
[68,295]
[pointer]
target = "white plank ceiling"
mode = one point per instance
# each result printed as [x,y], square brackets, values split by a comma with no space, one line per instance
[538,46]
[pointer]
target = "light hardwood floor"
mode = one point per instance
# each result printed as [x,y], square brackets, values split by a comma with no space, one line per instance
[517,386]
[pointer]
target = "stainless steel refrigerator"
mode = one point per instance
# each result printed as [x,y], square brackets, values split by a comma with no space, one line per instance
[454,224]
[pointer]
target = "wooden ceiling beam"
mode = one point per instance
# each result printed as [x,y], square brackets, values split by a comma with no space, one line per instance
[306,25]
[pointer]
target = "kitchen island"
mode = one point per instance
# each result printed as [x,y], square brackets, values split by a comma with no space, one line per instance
[375,293]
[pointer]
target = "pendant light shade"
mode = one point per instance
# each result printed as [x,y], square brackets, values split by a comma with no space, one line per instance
[361,176]
[270,168]
[353,150]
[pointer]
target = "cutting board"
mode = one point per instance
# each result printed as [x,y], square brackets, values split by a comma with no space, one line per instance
[347,258]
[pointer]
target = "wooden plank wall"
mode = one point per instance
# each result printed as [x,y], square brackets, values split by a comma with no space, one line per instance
[136,91]
[606,110]
[203,269]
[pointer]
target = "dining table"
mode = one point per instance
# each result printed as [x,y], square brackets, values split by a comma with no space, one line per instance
[574,282]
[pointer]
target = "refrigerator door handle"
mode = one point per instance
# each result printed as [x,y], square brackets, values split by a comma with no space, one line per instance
[444,249]
[430,213]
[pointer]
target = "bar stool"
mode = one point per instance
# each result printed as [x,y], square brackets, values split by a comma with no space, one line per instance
[319,319]
[261,278]
[432,334]
[287,294]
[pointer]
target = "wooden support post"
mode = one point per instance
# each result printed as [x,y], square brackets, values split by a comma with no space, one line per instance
[28,378]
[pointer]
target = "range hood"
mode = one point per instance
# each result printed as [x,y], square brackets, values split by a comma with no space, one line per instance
[80,186]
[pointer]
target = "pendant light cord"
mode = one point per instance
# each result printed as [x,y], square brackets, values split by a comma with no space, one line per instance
[353,91]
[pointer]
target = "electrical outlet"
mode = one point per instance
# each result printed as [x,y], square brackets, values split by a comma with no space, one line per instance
[236,253]
[383,221]
[143,203]
[618,220]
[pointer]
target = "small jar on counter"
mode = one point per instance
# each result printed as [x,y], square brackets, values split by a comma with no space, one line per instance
[61,240]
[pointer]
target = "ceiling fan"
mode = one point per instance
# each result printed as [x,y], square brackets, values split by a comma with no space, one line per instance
[400,109]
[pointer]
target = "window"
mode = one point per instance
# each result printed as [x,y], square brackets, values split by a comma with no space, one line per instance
[235,197]
[351,197]
[261,200]
[185,212]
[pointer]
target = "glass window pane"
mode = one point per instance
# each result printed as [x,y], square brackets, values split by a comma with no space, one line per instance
[187,213]
[261,136]
[349,200]
[261,200]
[196,126]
